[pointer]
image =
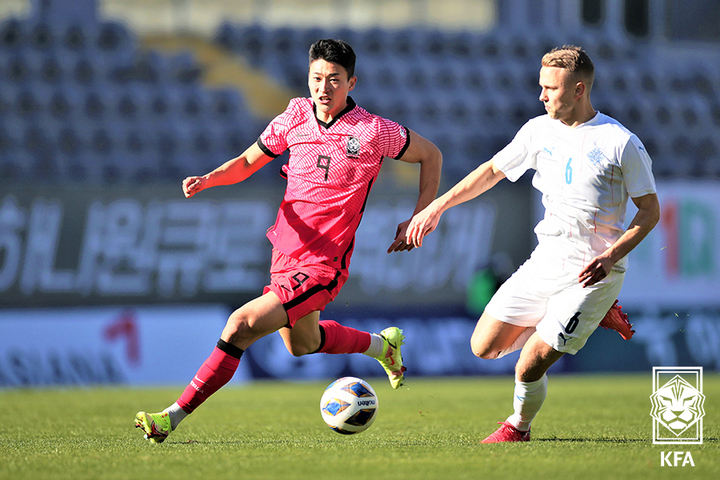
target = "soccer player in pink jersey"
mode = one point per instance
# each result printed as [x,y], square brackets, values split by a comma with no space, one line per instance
[336,151]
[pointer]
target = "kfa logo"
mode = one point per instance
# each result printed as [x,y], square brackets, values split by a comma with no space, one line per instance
[677,405]
[353,147]
[676,459]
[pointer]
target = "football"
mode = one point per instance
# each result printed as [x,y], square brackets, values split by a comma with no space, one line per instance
[349,405]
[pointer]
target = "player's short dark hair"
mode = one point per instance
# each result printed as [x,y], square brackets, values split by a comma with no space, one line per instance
[334,51]
[573,59]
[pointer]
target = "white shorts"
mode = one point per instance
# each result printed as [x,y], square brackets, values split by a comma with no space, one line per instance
[550,298]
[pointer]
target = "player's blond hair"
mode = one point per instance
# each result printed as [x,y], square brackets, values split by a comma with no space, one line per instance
[573,59]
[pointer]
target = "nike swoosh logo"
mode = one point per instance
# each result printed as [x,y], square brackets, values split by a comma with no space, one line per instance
[388,355]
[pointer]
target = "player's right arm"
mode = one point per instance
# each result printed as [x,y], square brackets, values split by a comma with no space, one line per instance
[231,172]
[476,182]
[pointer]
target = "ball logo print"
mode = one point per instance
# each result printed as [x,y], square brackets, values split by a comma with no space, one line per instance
[349,405]
[677,405]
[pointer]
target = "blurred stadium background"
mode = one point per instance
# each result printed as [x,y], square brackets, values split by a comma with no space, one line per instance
[109,276]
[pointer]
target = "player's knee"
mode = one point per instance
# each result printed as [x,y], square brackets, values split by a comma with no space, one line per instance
[482,349]
[239,329]
[298,351]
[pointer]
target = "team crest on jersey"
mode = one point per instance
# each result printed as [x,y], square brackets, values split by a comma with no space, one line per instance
[353,147]
[596,156]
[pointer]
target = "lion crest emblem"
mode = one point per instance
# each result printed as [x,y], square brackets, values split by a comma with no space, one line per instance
[677,405]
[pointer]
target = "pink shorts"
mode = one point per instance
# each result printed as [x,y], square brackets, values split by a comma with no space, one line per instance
[303,287]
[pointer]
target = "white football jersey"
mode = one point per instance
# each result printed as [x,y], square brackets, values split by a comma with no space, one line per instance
[585,175]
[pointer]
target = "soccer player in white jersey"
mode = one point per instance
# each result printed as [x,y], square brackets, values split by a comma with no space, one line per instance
[336,151]
[586,166]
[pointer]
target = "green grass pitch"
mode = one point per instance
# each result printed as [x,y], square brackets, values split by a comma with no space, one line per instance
[591,427]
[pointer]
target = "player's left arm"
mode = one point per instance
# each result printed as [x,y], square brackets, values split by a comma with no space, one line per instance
[642,223]
[422,151]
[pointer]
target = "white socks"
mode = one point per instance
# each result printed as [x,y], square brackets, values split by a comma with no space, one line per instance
[176,415]
[376,346]
[529,397]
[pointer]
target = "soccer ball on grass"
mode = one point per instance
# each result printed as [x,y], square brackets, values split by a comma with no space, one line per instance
[349,405]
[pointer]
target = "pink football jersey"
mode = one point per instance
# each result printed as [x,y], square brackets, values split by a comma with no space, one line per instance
[331,170]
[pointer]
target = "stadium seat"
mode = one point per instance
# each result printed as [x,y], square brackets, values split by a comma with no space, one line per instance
[45,167]
[474,79]
[166,142]
[459,113]
[162,106]
[184,68]
[251,43]
[648,83]
[282,41]
[524,48]
[132,102]
[663,115]
[206,151]
[8,95]
[27,104]
[17,70]
[712,166]
[434,44]
[202,143]
[138,154]
[64,103]
[373,42]
[195,102]
[37,138]
[113,38]
[703,84]
[227,103]
[234,140]
[148,68]
[683,153]
[488,47]
[101,142]
[707,151]
[462,45]
[41,36]
[51,71]
[13,34]
[133,140]
[382,76]
[404,43]
[503,81]
[399,108]
[346,34]
[85,71]
[15,167]
[417,78]
[10,139]
[445,76]
[96,104]
[227,36]
[74,38]
[69,142]
[308,36]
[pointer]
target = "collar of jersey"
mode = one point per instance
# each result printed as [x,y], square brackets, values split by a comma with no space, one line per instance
[350,105]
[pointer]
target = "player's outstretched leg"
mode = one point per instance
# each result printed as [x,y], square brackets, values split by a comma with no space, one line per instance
[391,358]
[616,320]
[155,425]
[507,433]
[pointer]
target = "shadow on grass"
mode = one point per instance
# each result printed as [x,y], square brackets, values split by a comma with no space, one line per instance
[602,440]
[609,440]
